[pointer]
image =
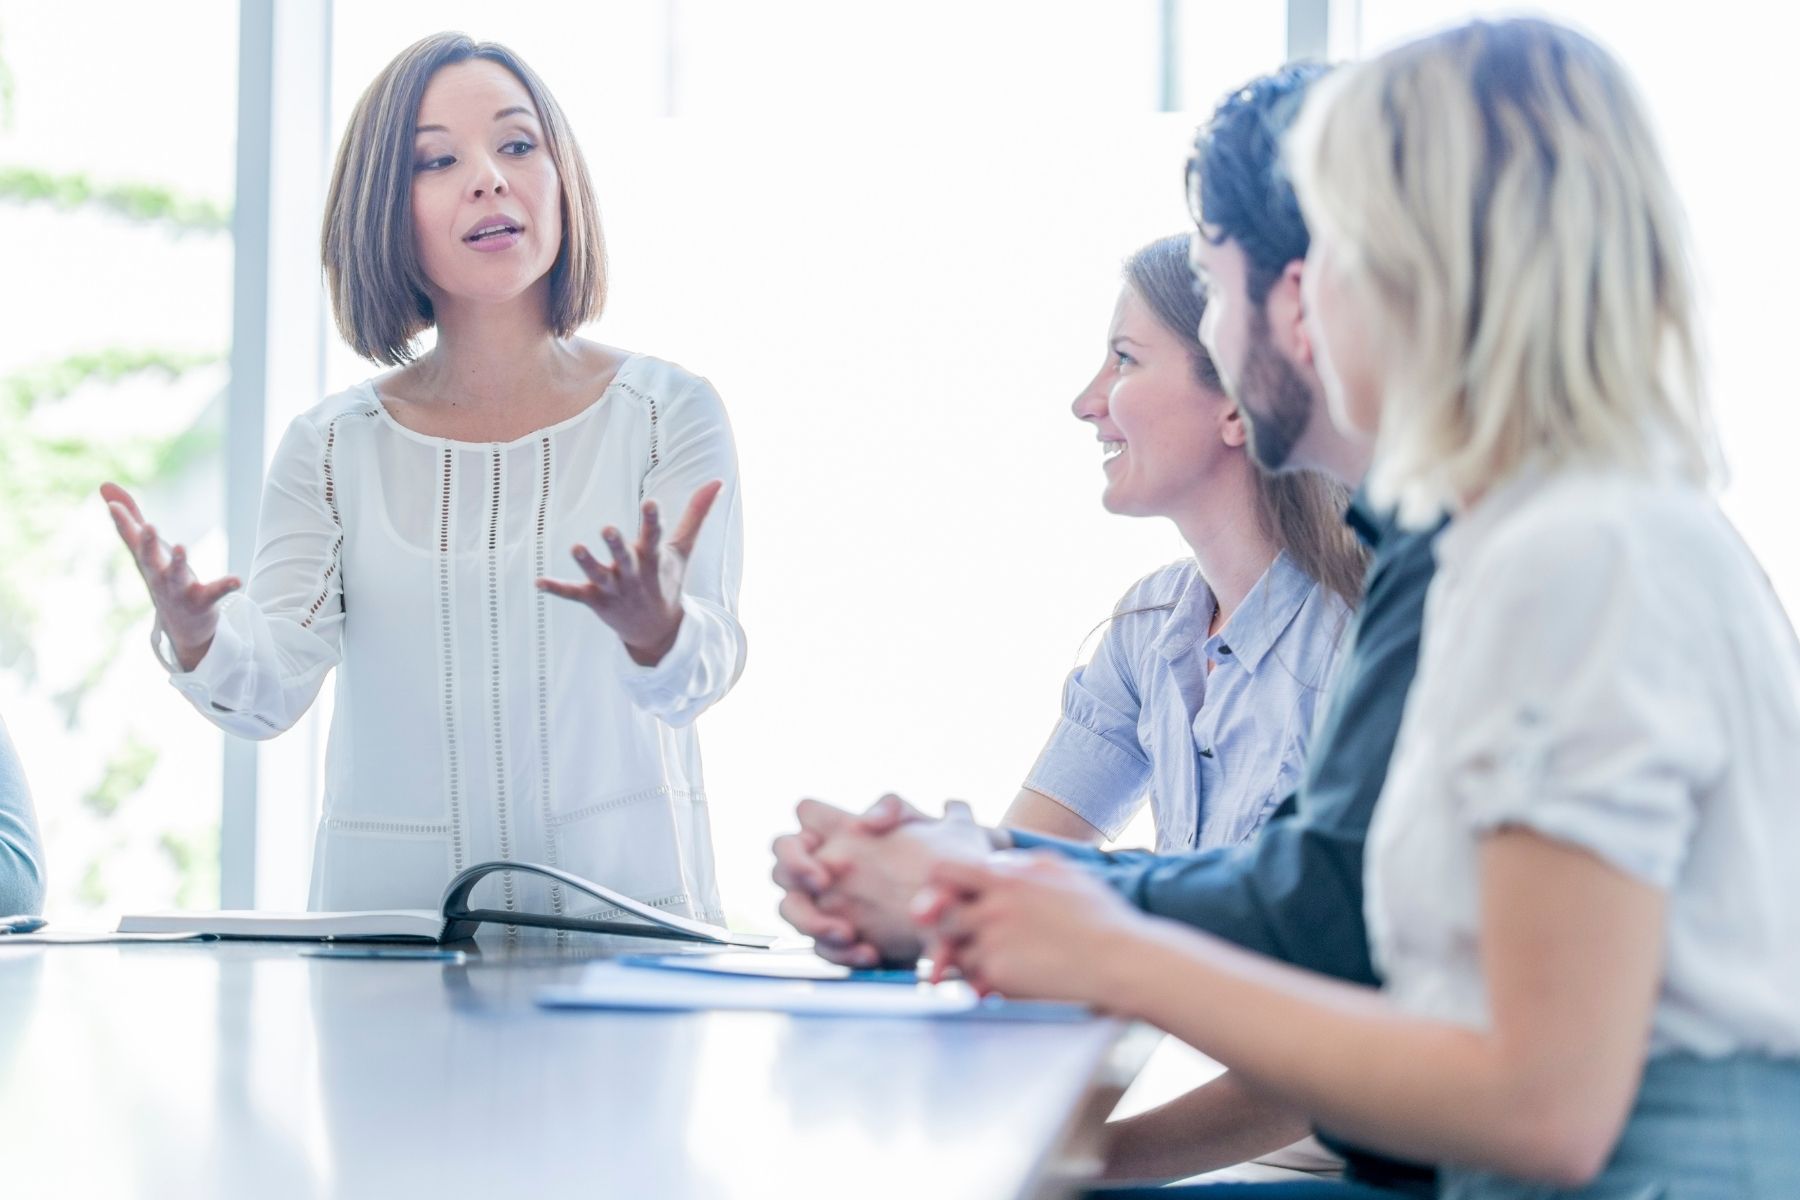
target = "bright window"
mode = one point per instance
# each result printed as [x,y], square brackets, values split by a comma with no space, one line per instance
[1718,82]
[115,183]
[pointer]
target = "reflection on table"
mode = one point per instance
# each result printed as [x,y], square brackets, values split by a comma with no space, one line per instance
[254,1069]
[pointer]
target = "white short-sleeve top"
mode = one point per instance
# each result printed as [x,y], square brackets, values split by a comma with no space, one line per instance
[1604,663]
[476,717]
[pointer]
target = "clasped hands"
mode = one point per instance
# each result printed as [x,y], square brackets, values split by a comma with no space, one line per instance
[894,885]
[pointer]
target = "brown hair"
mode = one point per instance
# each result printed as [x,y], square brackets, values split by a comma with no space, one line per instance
[378,290]
[1302,510]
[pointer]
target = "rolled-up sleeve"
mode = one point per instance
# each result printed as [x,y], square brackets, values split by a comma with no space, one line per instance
[1094,762]
[693,447]
[1296,890]
[1583,730]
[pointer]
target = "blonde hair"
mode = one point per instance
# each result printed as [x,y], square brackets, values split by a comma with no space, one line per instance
[378,289]
[1500,203]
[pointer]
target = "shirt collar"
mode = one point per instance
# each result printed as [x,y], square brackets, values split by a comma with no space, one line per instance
[1253,629]
[1188,619]
[1368,522]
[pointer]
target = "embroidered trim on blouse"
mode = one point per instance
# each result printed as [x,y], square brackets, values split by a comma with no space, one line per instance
[540,569]
[452,774]
[415,828]
[335,559]
[495,690]
[625,801]
[649,402]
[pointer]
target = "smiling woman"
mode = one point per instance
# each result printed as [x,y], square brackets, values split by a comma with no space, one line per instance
[1200,697]
[407,526]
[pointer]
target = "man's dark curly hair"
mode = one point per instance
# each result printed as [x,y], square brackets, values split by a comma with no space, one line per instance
[1236,174]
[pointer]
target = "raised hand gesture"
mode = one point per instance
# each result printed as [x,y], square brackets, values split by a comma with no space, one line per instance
[187,607]
[639,593]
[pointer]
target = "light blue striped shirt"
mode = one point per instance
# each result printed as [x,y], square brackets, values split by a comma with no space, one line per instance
[1214,753]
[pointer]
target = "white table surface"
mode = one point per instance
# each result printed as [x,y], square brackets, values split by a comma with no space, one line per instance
[251,1070]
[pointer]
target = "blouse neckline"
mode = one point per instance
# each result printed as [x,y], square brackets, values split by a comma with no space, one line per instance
[1265,613]
[568,422]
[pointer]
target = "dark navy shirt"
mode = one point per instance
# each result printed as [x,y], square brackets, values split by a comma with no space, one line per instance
[1296,891]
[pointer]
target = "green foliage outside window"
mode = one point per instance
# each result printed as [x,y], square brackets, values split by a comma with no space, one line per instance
[48,481]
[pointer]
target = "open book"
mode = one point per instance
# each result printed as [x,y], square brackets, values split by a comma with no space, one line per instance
[453,921]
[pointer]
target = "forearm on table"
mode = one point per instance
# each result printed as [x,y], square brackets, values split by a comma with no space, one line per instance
[1033,811]
[1218,1124]
[1294,894]
[1423,1090]
[1087,854]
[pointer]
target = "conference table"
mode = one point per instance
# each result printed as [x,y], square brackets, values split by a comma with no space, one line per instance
[261,1069]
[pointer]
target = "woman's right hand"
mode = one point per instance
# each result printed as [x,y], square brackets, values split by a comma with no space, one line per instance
[187,608]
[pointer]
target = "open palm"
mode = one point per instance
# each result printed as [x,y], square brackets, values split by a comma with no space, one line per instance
[638,594]
[187,607]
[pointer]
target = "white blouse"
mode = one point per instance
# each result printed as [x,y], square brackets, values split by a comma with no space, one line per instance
[477,717]
[1604,663]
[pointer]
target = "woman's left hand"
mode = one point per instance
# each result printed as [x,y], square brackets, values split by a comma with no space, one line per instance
[1028,925]
[639,593]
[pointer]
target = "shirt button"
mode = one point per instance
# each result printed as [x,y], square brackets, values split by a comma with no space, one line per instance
[1224,650]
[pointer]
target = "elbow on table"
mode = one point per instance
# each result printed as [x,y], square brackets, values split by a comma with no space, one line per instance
[1559,1145]
[1573,1161]
[21,883]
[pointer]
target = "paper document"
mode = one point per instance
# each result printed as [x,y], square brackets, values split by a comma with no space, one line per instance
[65,937]
[417,925]
[766,964]
[454,919]
[614,986]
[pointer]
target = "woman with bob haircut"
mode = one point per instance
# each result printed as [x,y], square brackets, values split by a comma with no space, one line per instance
[1581,886]
[408,527]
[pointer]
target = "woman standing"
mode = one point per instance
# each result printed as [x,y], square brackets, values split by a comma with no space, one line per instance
[409,526]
